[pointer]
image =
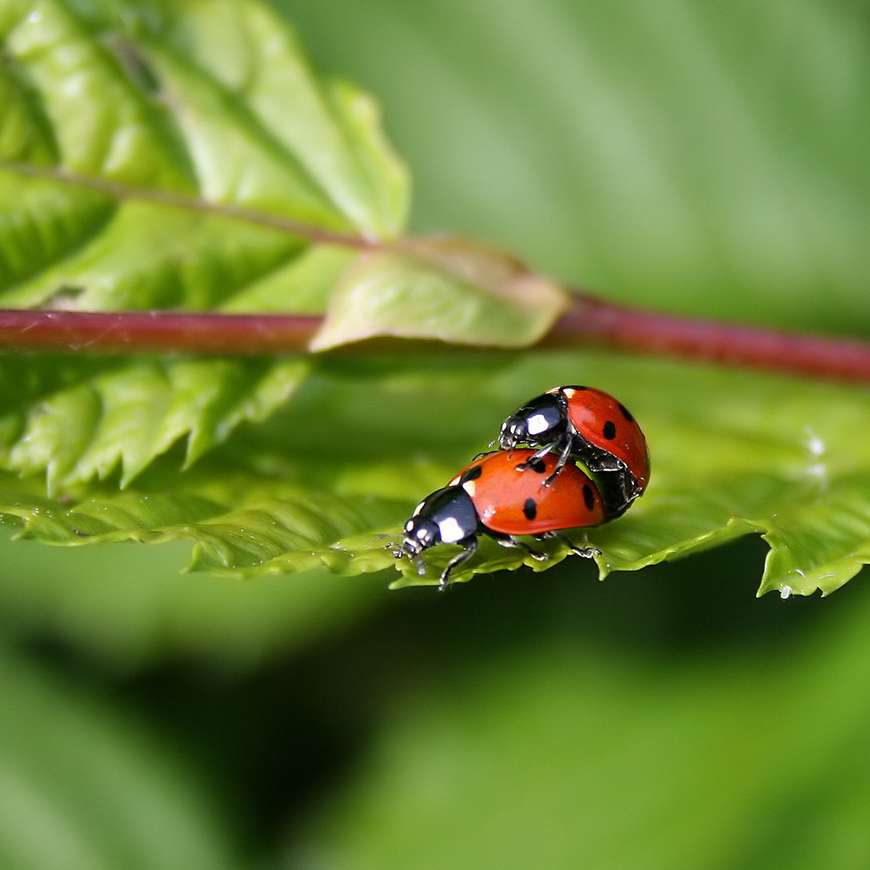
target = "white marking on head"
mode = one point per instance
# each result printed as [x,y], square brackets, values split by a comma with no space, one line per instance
[450,531]
[421,533]
[455,480]
[537,424]
[417,509]
[469,487]
[569,393]
[409,525]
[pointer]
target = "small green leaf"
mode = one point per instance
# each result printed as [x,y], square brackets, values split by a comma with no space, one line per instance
[443,289]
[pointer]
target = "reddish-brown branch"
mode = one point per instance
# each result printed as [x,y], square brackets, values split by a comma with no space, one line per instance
[590,321]
[139,331]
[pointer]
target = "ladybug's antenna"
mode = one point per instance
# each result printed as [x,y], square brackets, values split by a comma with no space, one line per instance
[421,566]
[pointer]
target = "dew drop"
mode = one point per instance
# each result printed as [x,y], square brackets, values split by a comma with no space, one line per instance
[814,444]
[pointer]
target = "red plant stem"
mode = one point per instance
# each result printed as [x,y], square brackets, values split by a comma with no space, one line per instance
[589,321]
[140,331]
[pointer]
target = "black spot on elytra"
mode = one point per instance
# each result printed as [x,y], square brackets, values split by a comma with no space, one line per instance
[530,509]
[471,474]
[588,496]
[538,466]
[626,413]
[610,430]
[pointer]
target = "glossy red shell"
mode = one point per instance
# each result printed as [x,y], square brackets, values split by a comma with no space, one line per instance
[606,423]
[517,502]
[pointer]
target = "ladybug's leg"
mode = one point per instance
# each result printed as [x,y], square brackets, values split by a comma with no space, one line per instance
[538,454]
[562,461]
[511,542]
[588,552]
[469,547]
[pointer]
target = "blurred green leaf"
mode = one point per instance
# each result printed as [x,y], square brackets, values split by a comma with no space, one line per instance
[126,607]
[732,454]
[83,788]
[564,755]
[696,157]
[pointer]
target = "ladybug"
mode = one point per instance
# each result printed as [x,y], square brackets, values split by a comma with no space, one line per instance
[491,496]
[588,425]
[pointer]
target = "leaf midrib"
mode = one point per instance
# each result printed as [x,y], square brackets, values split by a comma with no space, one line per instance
[119,192]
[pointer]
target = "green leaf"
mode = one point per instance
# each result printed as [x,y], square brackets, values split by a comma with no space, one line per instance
[80,788]
[128,414]
[114,201]
[732,454]
[135,96]
[240,523]
[180,116]
[126,607]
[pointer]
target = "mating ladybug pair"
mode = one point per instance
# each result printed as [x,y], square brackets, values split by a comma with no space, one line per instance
[532,485]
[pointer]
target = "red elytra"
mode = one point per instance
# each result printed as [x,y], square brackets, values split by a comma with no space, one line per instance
[606,423]
[513,502]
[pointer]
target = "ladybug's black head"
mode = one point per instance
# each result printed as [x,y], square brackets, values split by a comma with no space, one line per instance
[420,534]
[447,516]
[537,423]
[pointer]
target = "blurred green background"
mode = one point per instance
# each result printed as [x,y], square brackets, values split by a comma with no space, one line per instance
[698,157]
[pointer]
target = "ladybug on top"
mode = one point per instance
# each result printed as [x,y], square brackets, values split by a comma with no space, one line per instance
[590,426]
